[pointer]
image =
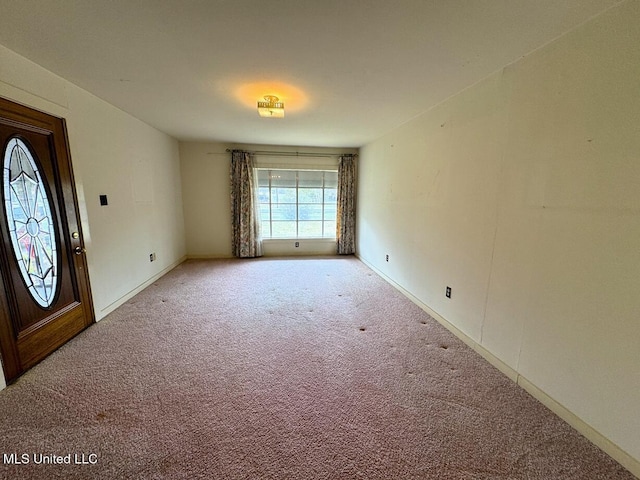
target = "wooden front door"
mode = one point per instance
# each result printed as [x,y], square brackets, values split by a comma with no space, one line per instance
[46,296]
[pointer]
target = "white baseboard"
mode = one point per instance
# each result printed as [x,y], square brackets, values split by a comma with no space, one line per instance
[614,451]
[132,293]
[595,437]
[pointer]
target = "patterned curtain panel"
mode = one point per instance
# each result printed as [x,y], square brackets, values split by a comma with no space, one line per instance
[346,218]
[245,237]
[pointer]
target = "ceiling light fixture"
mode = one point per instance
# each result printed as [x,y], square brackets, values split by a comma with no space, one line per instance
[271,107]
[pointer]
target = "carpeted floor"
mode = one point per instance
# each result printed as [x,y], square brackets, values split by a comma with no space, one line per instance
[280,369]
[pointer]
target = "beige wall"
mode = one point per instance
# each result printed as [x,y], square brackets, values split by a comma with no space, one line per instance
[205,193]
[522,193]
[205,185]
[136,166]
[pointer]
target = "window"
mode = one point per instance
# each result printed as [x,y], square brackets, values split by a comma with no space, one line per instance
[30,223]
[297,203]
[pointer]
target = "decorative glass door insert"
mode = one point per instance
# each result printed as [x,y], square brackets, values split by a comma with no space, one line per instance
[31,227]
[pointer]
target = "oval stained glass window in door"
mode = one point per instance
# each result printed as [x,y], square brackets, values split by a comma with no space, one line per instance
[30,223]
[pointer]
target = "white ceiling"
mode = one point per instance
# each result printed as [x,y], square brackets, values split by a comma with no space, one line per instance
[347,70]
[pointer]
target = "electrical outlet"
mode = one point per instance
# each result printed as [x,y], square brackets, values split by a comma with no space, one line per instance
[152,257]
[447,292]
[297,244]
[387,258]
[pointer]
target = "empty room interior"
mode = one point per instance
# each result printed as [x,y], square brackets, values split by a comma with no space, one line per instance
[289,229]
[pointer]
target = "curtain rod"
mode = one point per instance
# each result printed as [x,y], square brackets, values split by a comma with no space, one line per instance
[296,154]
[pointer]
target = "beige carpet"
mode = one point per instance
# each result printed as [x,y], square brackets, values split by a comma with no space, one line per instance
[279,369]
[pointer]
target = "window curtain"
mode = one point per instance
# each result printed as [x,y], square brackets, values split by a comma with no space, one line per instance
[346,217]
[246,241]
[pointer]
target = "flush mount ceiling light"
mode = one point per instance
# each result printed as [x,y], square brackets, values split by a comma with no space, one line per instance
[271,107]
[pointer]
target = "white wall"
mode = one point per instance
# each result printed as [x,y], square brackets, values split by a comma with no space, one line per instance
[206,194]
[136,166]
[522,193]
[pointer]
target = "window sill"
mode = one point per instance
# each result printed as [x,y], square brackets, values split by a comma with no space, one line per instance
[293,239]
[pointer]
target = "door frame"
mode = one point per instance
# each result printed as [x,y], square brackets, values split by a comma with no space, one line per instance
[29,118]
